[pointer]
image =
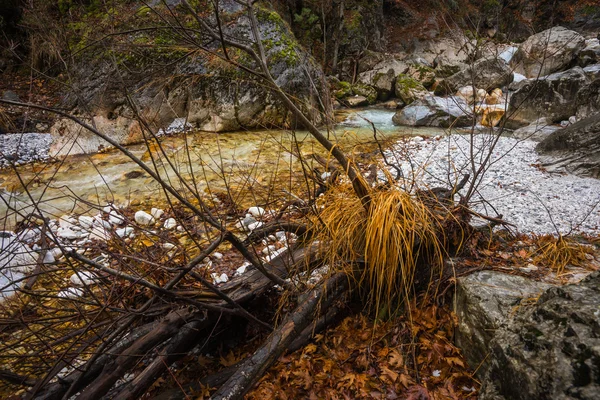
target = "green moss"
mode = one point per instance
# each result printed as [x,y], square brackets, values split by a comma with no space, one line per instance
[344,90]
[408,88]
[366,91]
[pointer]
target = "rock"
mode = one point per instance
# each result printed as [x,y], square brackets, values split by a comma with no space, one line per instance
[435,111]
[83,278]
[199,90]
[384,84]
[383,67]
[547,52]
[492,116]
[357,101]
[256,212]
[115,218]
[16,256]
[100,233]
[592,72]
[98,221]
[219,278]
[508,54]
[10,96]
[85,221]
[366,91]
[170,223]
[471,96]
[496,97]
[143,218]
[124,232]
[487,73]
[217,256]
[588,100]
[554,97]
[551,349]
[168,246]
[483,303]
[242,269]
[575,149]
[49,258]
[423,74]
[269,249]
[156,213]
[409,89]
[537,131]
[68,233]
[70,293]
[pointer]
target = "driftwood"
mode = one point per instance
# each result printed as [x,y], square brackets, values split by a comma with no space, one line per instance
[251,370]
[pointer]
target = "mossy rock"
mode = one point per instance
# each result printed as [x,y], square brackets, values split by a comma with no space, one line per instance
[409,89]
[422,73]
[343,90]
[369,92]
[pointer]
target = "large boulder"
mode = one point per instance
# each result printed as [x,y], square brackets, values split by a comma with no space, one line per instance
[435,111]
[384,84]
[553,96]
[588,99]
[550,349]
[210,93]
[536,131]
[575,148]
[487,73]
[483,303]
[395,64]
[546,52]
[409,89]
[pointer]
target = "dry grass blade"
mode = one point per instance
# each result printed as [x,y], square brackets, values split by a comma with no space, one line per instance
[558,252]
[396,238]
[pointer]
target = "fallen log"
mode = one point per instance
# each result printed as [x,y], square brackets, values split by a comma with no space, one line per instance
[251,370]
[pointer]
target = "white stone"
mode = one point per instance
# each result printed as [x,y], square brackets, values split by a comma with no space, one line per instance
[170,223]
[572,119]
[123,232]
[256,212]
[217,256]
[100,233]
[70,293]
[57,253]
[15,255]
[281,236]
[269,250]
[157,213]
[143,218]
[66,221]
[98,221]
[242,269]
[85,221]
[219,278]
[254,226]
[168,246]
[115,218]
[83,278]
[49,258]
[518,78]
[68,233]
[180,228]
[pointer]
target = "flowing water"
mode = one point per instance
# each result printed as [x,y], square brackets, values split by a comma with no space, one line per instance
[239,162]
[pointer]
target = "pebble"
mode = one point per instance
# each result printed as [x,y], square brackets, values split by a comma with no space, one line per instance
[254,226]
[115,218]
[68,233]
[219,278]
[269,250]
[70,293]
[143,218]
[217,256]
[170,223]
[83,278]
[242,269]
[157,213]
[85,221]
[256,212]
[49,258]
[168,246]
[122,232]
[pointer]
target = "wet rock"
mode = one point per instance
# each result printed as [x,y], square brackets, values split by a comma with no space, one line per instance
[547,52]
[575,149]
[551,349]
[435,111]
[366,91]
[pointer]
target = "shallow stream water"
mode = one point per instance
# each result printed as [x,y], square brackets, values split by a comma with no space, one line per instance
[241,162]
